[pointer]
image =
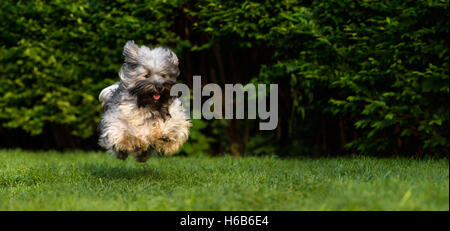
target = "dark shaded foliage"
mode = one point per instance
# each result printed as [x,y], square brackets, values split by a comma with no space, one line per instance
[367,77]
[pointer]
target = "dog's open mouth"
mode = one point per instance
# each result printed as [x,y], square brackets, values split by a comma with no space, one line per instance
[156,96]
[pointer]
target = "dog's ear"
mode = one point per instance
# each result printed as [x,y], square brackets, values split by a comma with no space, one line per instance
[173,57]
[131,51]
[174,60]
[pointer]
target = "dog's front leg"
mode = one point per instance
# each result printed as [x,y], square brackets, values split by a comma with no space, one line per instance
[131,144]
[173,136]
[144,155]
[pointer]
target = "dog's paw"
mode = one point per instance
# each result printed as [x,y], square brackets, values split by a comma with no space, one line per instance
[121,155]
[131,144]
[142,157]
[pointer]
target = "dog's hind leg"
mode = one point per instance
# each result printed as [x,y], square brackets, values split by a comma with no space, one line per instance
[121,155]
[144,156]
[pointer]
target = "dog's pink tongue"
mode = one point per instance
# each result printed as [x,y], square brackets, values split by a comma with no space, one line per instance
[156,96]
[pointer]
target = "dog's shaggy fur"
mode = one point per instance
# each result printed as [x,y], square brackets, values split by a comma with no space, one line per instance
[139,115]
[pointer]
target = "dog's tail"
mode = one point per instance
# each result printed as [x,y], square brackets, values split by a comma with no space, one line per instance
[106,93]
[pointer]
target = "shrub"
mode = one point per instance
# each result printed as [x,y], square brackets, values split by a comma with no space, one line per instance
[356,76]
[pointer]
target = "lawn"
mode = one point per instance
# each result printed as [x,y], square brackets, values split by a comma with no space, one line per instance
[97,181]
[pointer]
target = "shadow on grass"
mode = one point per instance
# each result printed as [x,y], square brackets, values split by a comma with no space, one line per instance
[121,172]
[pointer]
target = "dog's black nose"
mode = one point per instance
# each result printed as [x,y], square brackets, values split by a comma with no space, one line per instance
[158,87]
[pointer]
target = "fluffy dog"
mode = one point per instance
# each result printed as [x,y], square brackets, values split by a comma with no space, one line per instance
[139,115]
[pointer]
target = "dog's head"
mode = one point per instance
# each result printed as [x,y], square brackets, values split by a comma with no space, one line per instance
[149,73]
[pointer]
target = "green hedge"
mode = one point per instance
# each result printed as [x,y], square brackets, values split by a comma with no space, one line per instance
[55,57]
[357,76]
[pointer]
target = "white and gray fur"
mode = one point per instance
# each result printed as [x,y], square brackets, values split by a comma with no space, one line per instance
[135,123]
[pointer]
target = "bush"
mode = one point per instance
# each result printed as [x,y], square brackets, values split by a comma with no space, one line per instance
[55,58]
[393,68]
[356,76]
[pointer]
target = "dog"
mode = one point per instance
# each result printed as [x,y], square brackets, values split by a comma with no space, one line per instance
[139,115]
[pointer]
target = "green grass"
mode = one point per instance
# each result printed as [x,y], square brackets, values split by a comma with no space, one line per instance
[97,181]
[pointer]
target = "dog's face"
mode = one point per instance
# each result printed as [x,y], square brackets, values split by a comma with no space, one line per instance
[149,73]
